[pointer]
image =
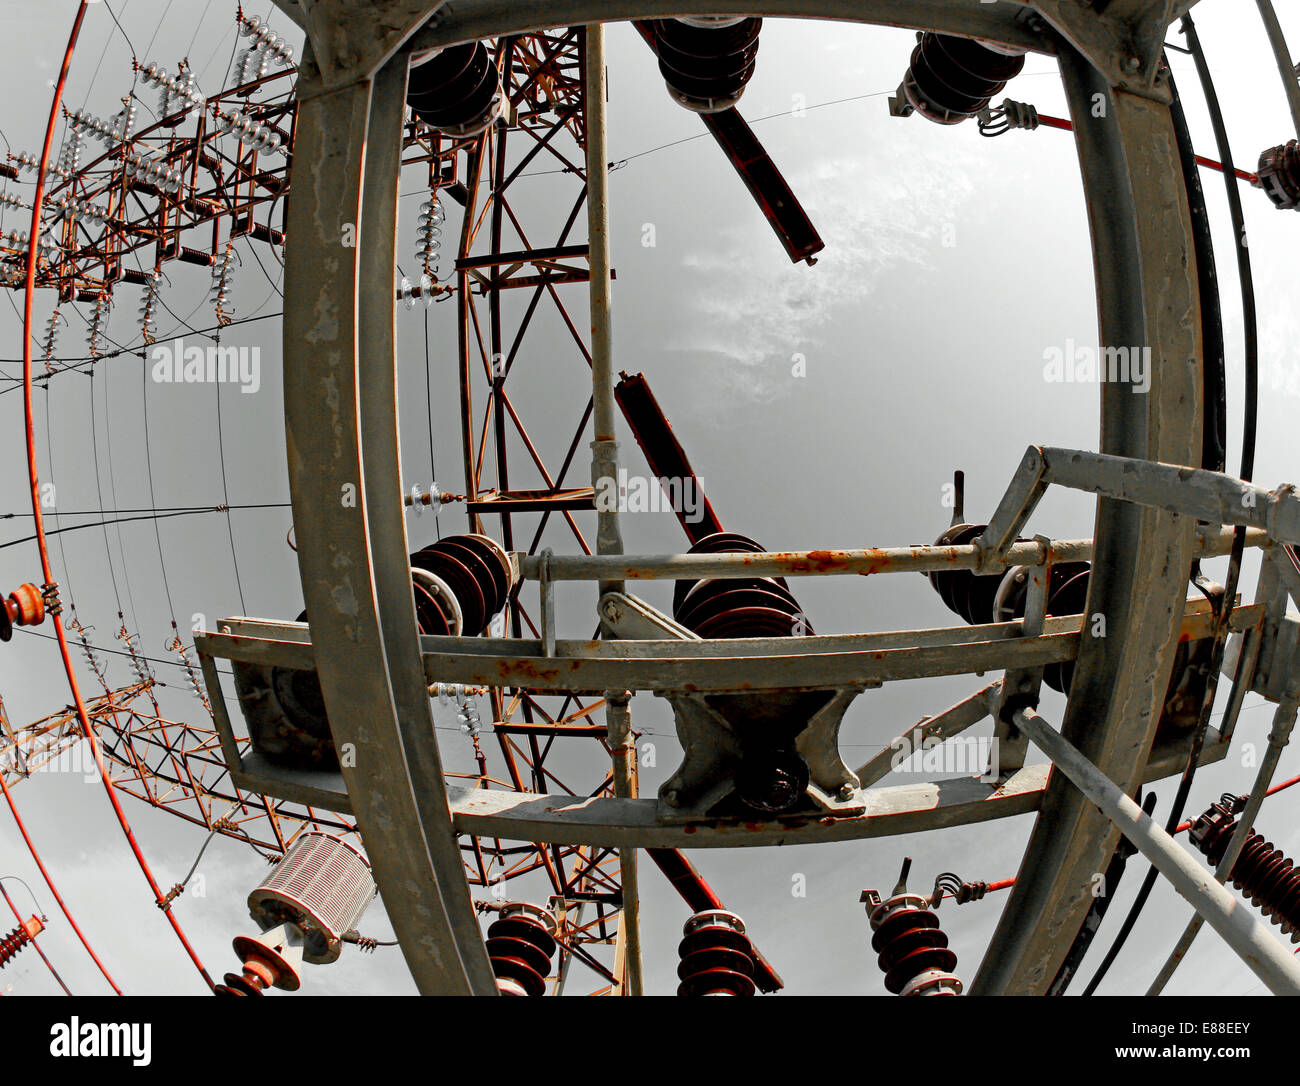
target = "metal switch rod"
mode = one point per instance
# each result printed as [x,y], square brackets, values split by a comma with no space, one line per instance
[1231,918]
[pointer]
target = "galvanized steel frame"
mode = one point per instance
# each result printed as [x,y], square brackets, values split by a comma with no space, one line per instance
[339,371]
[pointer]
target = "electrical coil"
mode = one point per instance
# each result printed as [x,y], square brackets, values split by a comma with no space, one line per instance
[717,958]
[952,78]
[1262,873]
[707,64]
[520,945]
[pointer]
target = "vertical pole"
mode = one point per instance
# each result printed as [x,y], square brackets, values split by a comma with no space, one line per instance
[1267,958]
[1285,65]
[604,462]
[618,721]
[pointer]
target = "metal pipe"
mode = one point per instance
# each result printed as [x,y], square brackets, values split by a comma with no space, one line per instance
[604,461]
[1241,930]
[835,562]
[1284,64]
[1283,722]
[618,721]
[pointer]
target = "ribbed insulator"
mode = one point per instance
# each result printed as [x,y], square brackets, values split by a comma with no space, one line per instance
[98,325]
[12,943]
[240,985]
[51,344]
[912,951]
[520,945]
[707,65]
[8,199]
[223,272]
[1279,175]
[460,583]
[737,607]
[457,91]
[251,131]
[1262,873]
[149,307]
[717,958]
[952,78]
[429,236]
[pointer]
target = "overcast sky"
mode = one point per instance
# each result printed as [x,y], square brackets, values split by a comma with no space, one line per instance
[952,264]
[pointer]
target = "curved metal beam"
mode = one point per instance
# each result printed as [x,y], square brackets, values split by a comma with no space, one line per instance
[340,406]
[1147,296]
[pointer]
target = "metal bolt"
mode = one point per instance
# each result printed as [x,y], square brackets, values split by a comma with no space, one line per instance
[1132,64]
[846,792]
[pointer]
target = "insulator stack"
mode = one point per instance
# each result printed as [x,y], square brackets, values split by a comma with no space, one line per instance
[24,606]
[740,607]
[70,156]
[33,164]
[51,344]
[154,172]
[707,61]
[951,78]
[180,87]
[98,325]
[1262,873]
[8,199]
[223,273]
[460,583]
[261,137]
[717,958]
[149,307]
[74,208]
[520,946]
[1279,175]
[912,951]
[177,646]
[409,293]
[457,90]
[265,40]
[429,235]
[110,133]
[96,662]
[12,943]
